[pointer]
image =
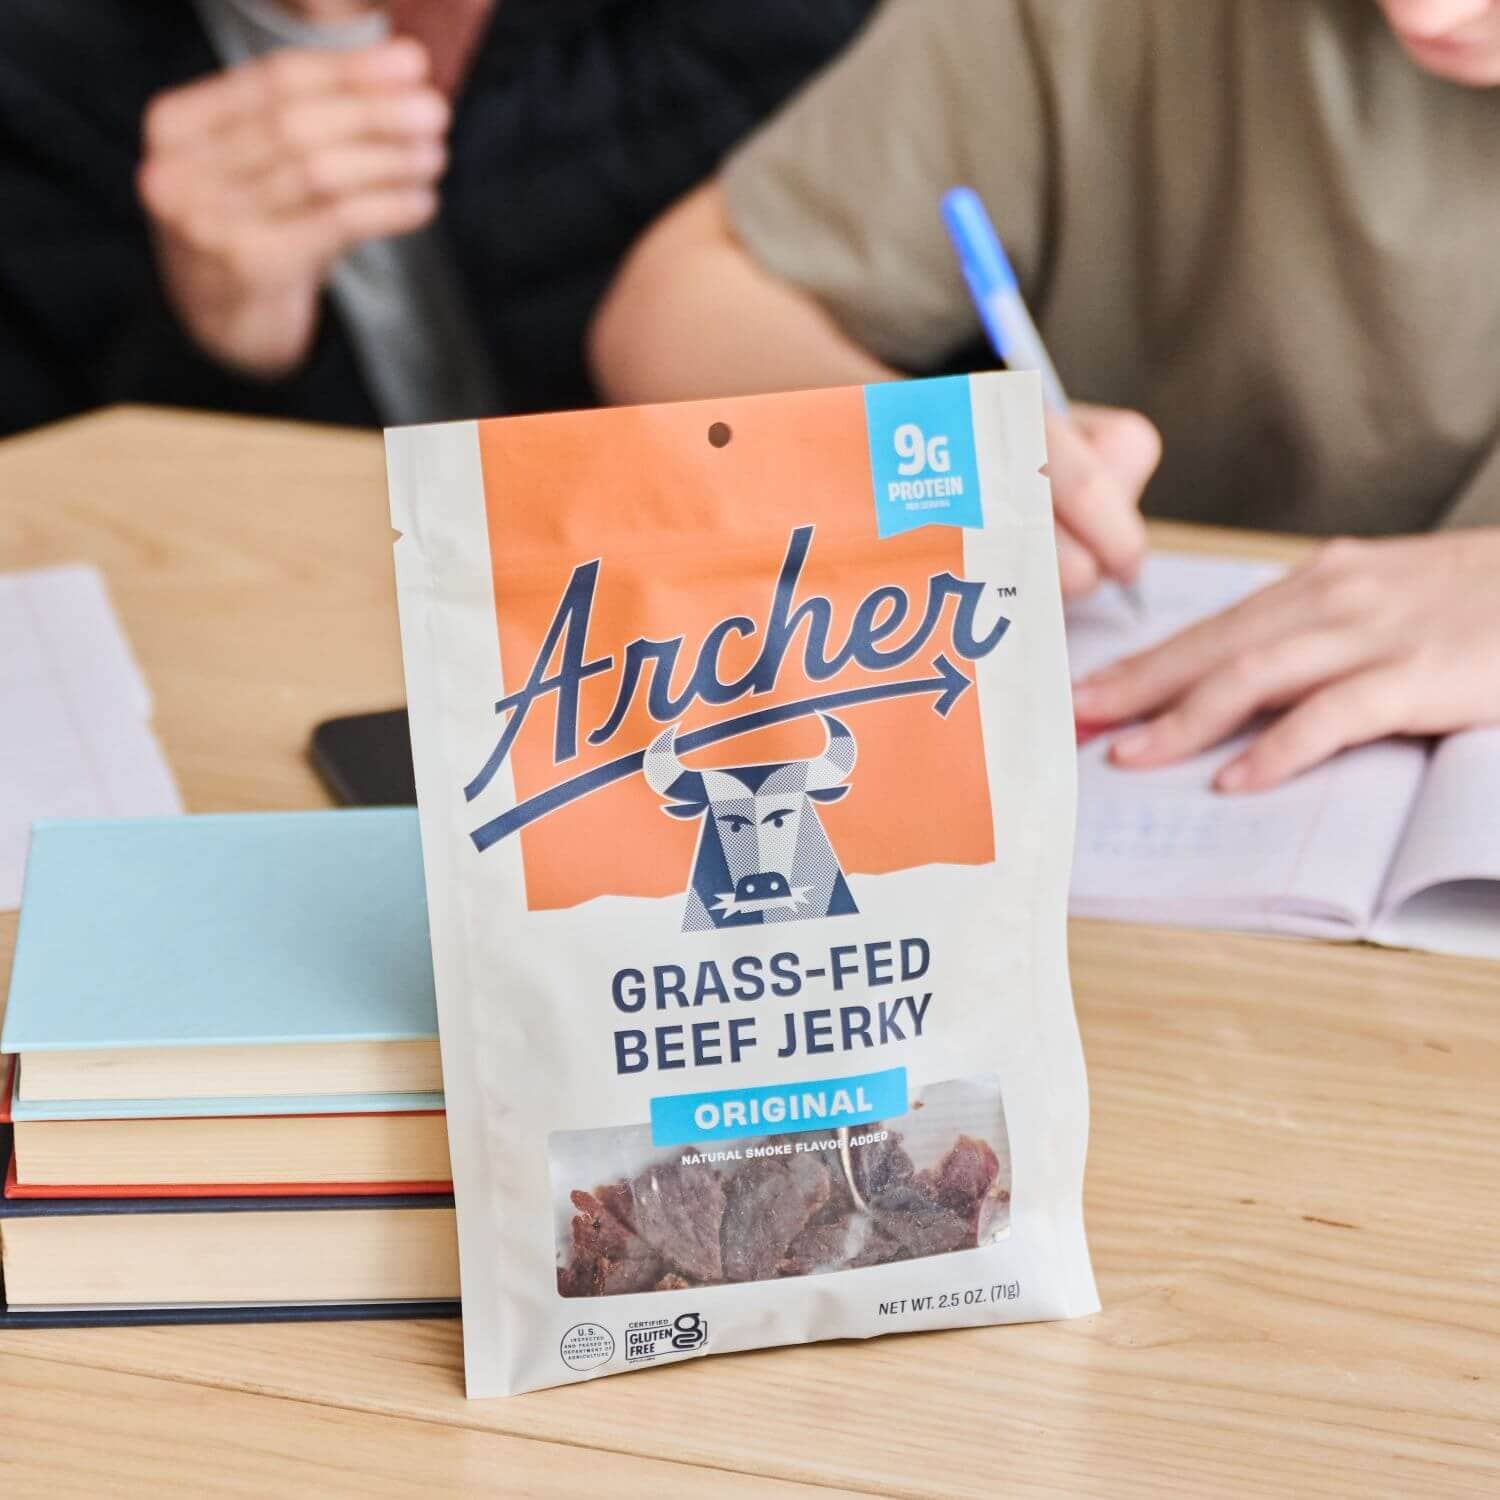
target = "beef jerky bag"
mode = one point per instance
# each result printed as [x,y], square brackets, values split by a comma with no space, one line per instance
[745,763]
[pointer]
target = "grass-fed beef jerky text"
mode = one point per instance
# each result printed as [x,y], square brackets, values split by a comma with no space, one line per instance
[757,1217]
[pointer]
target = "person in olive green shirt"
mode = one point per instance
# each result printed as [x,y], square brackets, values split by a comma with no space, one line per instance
[1268,230]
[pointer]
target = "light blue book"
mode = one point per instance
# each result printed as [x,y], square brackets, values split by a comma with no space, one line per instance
[250,963]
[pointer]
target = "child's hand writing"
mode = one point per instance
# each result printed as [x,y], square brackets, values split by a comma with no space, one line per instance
[1099,459]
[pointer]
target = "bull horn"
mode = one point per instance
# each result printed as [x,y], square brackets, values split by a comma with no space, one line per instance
[665,773]
[837,760]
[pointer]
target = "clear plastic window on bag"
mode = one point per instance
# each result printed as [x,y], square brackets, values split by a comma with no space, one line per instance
[634,1218]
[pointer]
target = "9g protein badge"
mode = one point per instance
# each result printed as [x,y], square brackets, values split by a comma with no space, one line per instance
[745,765]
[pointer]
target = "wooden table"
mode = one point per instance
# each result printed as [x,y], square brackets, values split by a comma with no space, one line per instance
[1291,1191]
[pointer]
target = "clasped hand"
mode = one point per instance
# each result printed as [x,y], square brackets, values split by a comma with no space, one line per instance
[257,179]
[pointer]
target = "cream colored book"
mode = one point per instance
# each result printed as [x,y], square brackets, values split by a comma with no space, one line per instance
[206,1072]
[233,1151]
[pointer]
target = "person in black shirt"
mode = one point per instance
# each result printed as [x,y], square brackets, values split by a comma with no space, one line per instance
[267,206]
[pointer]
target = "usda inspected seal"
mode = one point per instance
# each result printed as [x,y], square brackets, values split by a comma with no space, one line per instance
[586,1346]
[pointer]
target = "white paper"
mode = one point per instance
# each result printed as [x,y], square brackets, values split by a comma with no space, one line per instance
[1177,590]
[75,735]
[1444,888]
[1309,857]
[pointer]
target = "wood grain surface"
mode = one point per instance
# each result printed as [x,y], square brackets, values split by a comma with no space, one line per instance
[1291,1192]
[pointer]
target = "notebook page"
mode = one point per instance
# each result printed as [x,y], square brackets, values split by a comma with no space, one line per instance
[1443,893]
[1162,846]
[74,734]
[1178,589]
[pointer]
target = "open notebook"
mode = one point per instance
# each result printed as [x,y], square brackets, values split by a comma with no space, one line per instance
[1397,842]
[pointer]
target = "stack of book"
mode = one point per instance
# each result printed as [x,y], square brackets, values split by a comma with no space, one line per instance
[227,1099]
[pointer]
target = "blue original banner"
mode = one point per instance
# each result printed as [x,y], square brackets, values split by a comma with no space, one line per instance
[822,1104]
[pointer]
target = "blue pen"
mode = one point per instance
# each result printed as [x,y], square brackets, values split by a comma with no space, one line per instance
[1002,309]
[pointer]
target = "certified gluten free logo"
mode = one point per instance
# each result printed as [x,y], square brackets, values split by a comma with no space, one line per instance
[653,1337]
[586,1346]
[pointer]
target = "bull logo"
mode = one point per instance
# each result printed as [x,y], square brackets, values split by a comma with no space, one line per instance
[762,854]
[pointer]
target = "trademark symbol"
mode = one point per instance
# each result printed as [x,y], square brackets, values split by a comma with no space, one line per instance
[1007,592]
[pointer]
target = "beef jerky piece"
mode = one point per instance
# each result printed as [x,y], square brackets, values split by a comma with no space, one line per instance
[615,1196]
[879,1165]
[845,1244]
[840,1200]
[873,1167]
[806,1164]
[608,1258]
[963,1177]
[620,1278]
[767,1204]
[879,1250]
[918,1225]
[824,1246]
[677,1212]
